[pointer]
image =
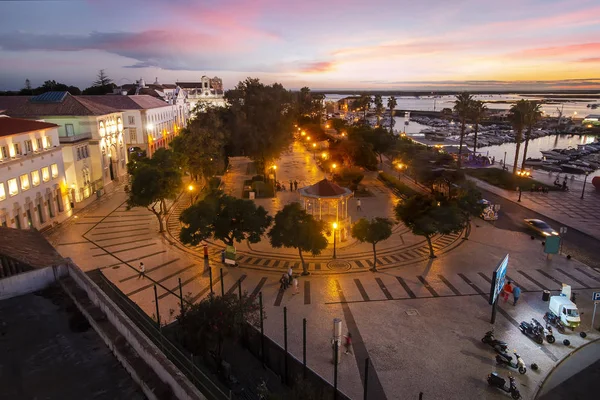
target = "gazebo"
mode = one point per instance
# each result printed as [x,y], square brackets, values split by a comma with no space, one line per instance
[328,202]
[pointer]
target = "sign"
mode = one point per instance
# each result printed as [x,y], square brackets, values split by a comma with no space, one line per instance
[552,244]
[596,296]
[563,229]
[498,279]
[496,207]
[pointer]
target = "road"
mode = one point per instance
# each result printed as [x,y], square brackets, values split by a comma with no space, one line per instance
[579,245]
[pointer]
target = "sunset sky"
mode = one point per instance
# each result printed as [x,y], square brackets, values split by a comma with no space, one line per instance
[379,44]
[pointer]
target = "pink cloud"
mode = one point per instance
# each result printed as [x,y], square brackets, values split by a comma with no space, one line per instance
[589,60]
[318,67]
[559,51]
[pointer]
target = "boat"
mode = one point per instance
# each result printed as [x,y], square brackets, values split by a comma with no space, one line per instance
[554,155]
[574,169]
[551,167]
[534,162]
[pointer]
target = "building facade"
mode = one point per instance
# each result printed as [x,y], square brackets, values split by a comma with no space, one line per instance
[33,190]
[207,92]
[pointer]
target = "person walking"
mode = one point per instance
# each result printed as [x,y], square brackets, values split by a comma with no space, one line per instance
[290,274]
[516,294]
[284,282]
[296,291]
[291,186]
[142,270]
[358,205]
[507,290]
[295,185]
[348,343]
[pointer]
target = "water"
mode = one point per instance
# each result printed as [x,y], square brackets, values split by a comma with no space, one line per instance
[574,107]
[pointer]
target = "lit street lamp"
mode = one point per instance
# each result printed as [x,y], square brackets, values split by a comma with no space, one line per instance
[520,191]
[335,226]
[314,151]
[400,167]
[191,190]
[274,168]
[333,167]
[584,182]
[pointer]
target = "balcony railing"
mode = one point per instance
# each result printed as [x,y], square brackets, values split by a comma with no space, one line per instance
[75,138]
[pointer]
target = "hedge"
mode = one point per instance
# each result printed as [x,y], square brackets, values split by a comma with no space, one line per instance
[402,188]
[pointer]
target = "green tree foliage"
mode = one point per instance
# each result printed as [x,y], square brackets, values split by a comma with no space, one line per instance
[531,117]
[392,103]
[469,202]
[260,120]
[224,218]
[349,177]
[426,216]
[478,111]
[310,105]
[374,231]
[462,107]
[295,228]
[153,182]
[517,116]
[101,86]
[339,124]
[47,86]
[201,145]
[378,102]
[365,102]
[380,139]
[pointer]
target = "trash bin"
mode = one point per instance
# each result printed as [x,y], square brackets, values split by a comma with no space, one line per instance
[545,295]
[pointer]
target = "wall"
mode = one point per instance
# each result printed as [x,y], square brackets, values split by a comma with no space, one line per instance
[28,282]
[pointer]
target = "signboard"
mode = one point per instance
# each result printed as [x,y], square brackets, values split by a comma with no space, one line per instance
[596,296]
[552,244]
[563,230]
[498,279]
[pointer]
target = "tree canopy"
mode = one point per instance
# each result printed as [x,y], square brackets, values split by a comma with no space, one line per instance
[373,231]
[101,86]
[462,106]
[469,202]
[295,228]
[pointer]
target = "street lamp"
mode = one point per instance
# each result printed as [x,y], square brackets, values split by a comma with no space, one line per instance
[520,191]
[400,167]
[584,181]
[333,167]
[335,226]
[504,163]
[308,138]
[303,133]
[191,189]
[314,151]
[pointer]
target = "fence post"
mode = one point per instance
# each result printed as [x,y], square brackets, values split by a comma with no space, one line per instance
[157,311]
[181,297]
[222,284]
[262,333]
[240,288]
[210,278]
[420,395]
[335,369]
[366,378]
[285,344]
[304,347]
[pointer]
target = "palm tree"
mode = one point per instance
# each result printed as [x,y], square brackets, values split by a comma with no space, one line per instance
[533,115]
[462,106]
[478,111]
[392,105]
[378,107]
[365,102]
[517,119]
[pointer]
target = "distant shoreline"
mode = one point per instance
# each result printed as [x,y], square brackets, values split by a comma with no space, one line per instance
[556,94]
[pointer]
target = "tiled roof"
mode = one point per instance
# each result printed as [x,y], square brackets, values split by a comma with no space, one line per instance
[119,102]
[11,126]
[20,106]
[28,247]
[189,85]
[325,188]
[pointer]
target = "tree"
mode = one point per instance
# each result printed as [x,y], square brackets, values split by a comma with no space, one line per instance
[154,181]
[365,102]
[294,227]
[27,84]
[101,86]
[373,232]
[531,117]
[516,117]
[378,107]
[223,218]
[392,103]
[102,79]
[338,124]
[426,216]
[381,140]
[478,111]
[462,106]
[469,202]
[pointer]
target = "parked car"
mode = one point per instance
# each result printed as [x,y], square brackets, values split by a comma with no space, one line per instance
[540,227]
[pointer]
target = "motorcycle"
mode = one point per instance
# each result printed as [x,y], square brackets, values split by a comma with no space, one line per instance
[496,380]
[498,345]
[505,358]
[546,331]
[533,331]
[552,319]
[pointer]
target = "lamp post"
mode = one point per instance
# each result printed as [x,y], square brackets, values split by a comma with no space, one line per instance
[400,167]
[191,190]
[335,226]
[333,167]
[274,168]
[584,182]
[520,191]
[504,162]
[314,151]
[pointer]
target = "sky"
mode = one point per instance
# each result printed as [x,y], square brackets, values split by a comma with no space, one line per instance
[323,44]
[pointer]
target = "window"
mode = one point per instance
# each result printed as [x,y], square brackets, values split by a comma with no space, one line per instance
[132,135]
[4,152]
[2,192]
[17,149]
[13,188]
[70,130]
[59,203]
[131,120]
[38,142]
[18,221]
[40,211]
[35,177]
[49,203]
[29,219]
[78,153]
[45,174]
[48,141]
[54,170]
[24,181]
[28,146]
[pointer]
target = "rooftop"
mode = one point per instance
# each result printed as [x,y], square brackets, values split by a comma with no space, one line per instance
[324,188]
[13,126]
[28,247]
[119,102]
[52,104]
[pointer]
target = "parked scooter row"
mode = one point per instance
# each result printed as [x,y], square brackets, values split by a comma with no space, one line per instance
[496,380]
[537,331]
[503,357]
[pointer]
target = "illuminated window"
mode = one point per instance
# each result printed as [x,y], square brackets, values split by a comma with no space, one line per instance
[4,152]
[39,145]
[2,192]
[35,177]
[17,147]
[54,170]
[70,129]
[45,174]
[24,181]
[48,141]
[102,131]
[28,146]
[13,188]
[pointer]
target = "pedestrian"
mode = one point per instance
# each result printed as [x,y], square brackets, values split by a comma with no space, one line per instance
[296,291]
[283,281]
[291,186]
[348,343]
[290,275]
[358,205]
[507,290]
[295,185]
[493,160]
[516,294]
[142,270]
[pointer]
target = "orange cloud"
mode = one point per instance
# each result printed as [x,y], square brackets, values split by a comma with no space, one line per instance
[589,60]
[318,67]
[559,51]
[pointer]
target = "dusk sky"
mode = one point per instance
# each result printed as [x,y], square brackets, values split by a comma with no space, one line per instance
[380,44]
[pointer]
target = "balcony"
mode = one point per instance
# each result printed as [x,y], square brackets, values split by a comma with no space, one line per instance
[75,138]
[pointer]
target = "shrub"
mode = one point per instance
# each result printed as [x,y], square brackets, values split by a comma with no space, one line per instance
[504,179]
[403,189]
[349,177]
[214,182]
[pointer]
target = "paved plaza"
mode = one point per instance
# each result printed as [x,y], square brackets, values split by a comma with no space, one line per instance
[419,321]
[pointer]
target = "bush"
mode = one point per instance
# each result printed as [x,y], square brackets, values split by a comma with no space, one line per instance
[214,182]
[349,177]
[505,179]
[401,187]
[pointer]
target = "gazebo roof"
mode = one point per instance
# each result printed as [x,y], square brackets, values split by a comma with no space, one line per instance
[324,188]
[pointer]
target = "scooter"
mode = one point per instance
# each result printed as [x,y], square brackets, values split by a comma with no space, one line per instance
[498,345]
[552,319]
[547,330]
[505,358]
[497,381]
[533,331]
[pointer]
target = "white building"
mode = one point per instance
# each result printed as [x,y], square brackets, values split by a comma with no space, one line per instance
[149,123]
[32,176]
[209,91]
[90,135]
